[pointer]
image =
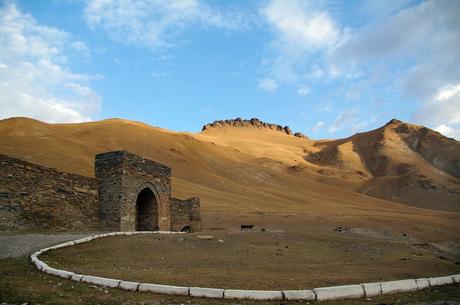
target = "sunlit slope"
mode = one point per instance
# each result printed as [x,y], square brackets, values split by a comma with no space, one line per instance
[399,162]
[234,170]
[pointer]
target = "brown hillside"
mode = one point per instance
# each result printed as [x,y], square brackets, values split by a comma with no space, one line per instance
[254,170]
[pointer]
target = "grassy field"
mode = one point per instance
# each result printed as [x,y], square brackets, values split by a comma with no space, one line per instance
[255,260]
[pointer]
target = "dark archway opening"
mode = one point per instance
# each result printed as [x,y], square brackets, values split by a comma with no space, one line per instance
[146,211]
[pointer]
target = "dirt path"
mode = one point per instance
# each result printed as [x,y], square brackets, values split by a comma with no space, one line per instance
[23,244]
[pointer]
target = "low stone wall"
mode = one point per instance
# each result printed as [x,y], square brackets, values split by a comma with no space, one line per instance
[316,294]
[185,213]
[34,196]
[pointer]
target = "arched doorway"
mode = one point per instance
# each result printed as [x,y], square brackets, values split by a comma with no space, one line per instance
[146,211]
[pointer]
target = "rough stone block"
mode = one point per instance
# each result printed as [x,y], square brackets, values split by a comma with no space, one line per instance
[60,273]
[215,293]
[456,278]
[165,289]
[398,286]
[253,294]
[40,265]
[102,281]
[131,286]
[83,240]
[63,245]
[372,289]
[45,250]
[339,292]
[422,283]
[299,295]
[442,280]
[76,277]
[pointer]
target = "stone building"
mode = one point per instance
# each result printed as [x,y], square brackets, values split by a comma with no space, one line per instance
[129,193]
[135,195]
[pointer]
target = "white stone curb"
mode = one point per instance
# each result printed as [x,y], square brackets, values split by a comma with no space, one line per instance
[165,289]
[422,283]
[398,286]
[214,293]
[339,292]
[253,294]
[316,294]
[307,295]
[442,280]
[372,289]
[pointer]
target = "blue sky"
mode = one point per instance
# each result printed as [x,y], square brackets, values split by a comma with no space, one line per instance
[326,68]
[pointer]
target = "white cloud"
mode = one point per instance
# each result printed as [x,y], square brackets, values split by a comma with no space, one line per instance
[299,26]
[154,23]
[442,111]
[267,84]
[304,90]
[317,127]
[80,47]
[448,131]
[301,30]
[344,120]
[34,79]
[416,46]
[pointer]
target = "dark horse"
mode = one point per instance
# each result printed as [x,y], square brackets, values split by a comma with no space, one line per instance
[247,227]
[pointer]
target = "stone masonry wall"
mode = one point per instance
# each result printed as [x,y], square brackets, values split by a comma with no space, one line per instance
[185,213]
[34,196]
[121,176]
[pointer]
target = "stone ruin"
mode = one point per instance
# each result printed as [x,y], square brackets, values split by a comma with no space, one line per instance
[135,195]
[129,193]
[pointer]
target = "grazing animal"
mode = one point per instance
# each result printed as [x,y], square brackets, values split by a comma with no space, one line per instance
[247,227]
[186,229]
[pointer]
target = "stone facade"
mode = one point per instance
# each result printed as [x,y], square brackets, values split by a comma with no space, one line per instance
[34,196]
[129,193]
[185,213]
[135,195]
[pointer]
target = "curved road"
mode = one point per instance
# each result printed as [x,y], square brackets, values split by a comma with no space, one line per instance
[15,245]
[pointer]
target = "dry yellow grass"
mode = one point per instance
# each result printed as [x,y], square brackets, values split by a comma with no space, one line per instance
[242,173]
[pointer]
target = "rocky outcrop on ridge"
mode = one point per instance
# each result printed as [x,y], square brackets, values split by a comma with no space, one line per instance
[254,122]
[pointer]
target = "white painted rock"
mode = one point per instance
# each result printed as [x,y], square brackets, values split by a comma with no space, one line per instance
[253,294]
[215,293]
[339,292]
[101,281]
[60,273]
[76,277]
[398,286]
[372,289]
[63,245]
[422,283]
[456,278]
[299,295]
[83,240]
[131,286]
[41,265]
[165,289]
[442,280]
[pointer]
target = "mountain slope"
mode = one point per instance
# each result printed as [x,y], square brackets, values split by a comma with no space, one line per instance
[399,162]
[255,171]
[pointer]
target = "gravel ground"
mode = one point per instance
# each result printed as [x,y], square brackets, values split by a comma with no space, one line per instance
[19,245]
